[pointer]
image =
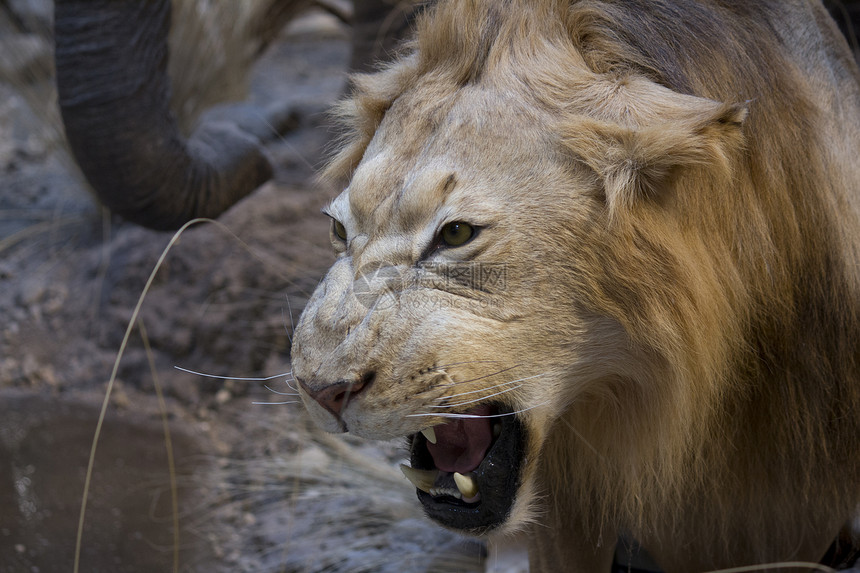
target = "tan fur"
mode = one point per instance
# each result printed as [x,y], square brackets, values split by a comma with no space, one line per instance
[673,190]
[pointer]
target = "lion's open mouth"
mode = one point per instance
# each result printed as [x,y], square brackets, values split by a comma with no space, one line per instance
[468,478]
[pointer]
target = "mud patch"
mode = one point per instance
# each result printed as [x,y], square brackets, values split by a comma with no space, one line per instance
[44,448]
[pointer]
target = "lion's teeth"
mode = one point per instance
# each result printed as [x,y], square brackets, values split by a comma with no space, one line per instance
[466,484]
[430,434]
[422,479]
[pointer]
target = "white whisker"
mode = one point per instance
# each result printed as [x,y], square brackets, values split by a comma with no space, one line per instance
[286,330]
[440,415]
[292,326]
[233,377]
[443,366]
[266,386]
[489,388]
[477,399]
[490,375]
[275,403]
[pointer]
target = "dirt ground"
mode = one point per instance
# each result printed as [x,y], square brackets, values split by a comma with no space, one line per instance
[258,488]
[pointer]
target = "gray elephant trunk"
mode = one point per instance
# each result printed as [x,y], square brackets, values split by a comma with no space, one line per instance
[114,93]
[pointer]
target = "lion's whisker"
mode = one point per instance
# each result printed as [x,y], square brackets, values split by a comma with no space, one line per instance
[290,315]
[485,389]
[478,399]
[478,391]
[276,403]
[267,387]
[490,375]
[286,330]
[247,379]
[444,366]
[473,416]
[436,388]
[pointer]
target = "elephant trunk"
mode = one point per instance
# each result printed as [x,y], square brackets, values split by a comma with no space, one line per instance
[114,93]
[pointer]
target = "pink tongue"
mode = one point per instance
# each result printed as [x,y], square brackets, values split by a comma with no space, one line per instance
[462,444]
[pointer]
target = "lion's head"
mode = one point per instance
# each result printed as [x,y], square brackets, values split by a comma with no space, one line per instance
[485,279]
[533,276]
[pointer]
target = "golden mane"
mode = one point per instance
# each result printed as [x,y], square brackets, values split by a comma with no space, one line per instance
[735,246]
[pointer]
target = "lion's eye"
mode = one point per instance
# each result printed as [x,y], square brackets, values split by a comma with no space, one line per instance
[457,233]
[339,229]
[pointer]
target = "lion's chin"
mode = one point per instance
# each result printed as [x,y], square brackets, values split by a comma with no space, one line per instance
[468,479]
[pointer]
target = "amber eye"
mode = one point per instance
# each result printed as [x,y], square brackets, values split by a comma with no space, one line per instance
[339,229]
[457,233]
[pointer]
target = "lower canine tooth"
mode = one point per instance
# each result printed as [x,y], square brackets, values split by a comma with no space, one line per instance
[466,484]
[422,479]
[430,434]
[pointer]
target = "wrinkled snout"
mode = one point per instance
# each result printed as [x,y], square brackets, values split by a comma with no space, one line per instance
[336,343]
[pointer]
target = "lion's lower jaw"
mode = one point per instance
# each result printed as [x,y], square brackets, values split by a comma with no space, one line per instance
[526,515]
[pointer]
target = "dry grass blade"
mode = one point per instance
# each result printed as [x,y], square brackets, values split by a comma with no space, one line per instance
[168,443]
[112,381]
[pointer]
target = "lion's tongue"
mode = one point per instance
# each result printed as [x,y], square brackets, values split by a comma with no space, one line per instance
[462,444]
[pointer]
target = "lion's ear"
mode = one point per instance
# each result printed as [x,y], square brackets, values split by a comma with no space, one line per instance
[638,162]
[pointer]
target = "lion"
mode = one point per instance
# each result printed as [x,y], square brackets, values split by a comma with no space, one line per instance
[599,262]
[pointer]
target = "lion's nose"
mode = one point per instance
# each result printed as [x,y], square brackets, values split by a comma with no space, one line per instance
[335,397]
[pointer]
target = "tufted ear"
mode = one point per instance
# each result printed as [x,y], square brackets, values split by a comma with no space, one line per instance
[638,162]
